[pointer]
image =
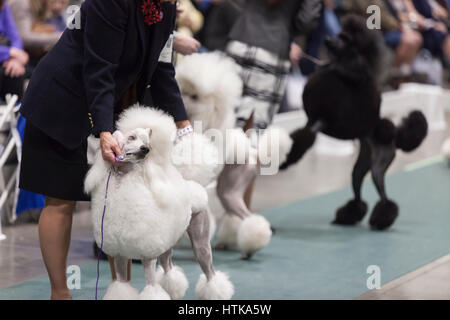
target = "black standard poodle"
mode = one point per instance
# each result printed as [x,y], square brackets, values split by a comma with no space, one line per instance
[342,100]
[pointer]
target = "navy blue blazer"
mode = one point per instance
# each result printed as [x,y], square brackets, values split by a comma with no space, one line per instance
[76,86]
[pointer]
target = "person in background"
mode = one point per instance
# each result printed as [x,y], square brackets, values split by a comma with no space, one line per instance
[403,40]
[329,26]
[12,57]
[261,43]
[38,37]
[434,31]
[56,14]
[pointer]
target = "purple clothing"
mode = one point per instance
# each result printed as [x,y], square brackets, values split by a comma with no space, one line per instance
[8,29]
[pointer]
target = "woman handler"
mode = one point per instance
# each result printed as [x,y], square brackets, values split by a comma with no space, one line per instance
[119,54]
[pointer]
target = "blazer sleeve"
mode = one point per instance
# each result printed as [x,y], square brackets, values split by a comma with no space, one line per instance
[165,92]
[104,34]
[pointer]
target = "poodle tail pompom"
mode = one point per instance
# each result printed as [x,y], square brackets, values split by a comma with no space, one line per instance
[446,150]
[253,235]
[274,144]
[219,287]
[121,291]
[412,131]
[228,229]
[302,139]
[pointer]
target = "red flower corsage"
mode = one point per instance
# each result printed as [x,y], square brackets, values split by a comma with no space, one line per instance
[152,11]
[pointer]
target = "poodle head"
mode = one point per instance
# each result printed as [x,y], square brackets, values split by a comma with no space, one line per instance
[356,44]
[211,89]
[145,133]
[136,144]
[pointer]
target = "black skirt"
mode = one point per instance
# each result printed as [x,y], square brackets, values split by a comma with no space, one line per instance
[50,169]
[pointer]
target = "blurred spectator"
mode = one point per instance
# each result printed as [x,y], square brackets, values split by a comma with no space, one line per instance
[218,23]
[435,33]
[260,42]
[12,57]
[56,14]
[190,20]
[403,40]
[38,36]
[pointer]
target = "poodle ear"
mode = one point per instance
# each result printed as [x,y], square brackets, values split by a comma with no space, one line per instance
[120,138]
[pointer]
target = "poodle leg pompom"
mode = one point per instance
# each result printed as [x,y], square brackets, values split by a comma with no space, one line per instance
[219,287]
[253,235]
[446,151]
[228,230]
[383,215]
[119,290]
[174,282]
[154,292]
[352,213]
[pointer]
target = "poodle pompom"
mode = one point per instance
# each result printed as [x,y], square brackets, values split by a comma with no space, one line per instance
[155,292]
[218,288]
[121,291]
[238,147]
[446,150]
[173,282]
[253,235]
[197,158]
[385,132]
[383,215]
[412,131]
[214,79]
[228,230]
[274,143]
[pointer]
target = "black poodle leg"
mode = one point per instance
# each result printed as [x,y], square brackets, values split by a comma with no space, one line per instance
[355,210]
[385,211]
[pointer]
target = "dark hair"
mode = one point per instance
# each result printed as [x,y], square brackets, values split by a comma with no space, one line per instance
[2,2]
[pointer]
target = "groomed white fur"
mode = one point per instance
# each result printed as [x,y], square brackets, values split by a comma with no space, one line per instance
[173,282]
[218,288]
[238,147]
[228,230]
[446,150]
[274,142]
[118,290]
[253,234]
[215,82]
[155,292]
[197,158]
[148,208]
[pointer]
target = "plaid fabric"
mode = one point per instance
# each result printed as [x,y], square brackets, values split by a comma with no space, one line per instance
[264,75]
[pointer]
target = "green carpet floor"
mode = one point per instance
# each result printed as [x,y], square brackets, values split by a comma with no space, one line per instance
[308,257]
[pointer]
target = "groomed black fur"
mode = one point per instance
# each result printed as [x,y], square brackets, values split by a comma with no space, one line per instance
[412,131]
[385,132]
[383,215]
[344,95]
[352,213]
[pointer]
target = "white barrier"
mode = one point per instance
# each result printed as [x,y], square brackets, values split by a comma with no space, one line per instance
[9,187]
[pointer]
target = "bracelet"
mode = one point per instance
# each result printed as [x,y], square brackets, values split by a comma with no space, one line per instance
[186,130]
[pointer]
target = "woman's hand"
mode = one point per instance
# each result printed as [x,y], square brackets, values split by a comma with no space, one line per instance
[295,53]
[13,68]
[19,55]
[110,148]
[185,45]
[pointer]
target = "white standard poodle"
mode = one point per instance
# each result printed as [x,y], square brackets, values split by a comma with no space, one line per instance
[211,88]
[141,209]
